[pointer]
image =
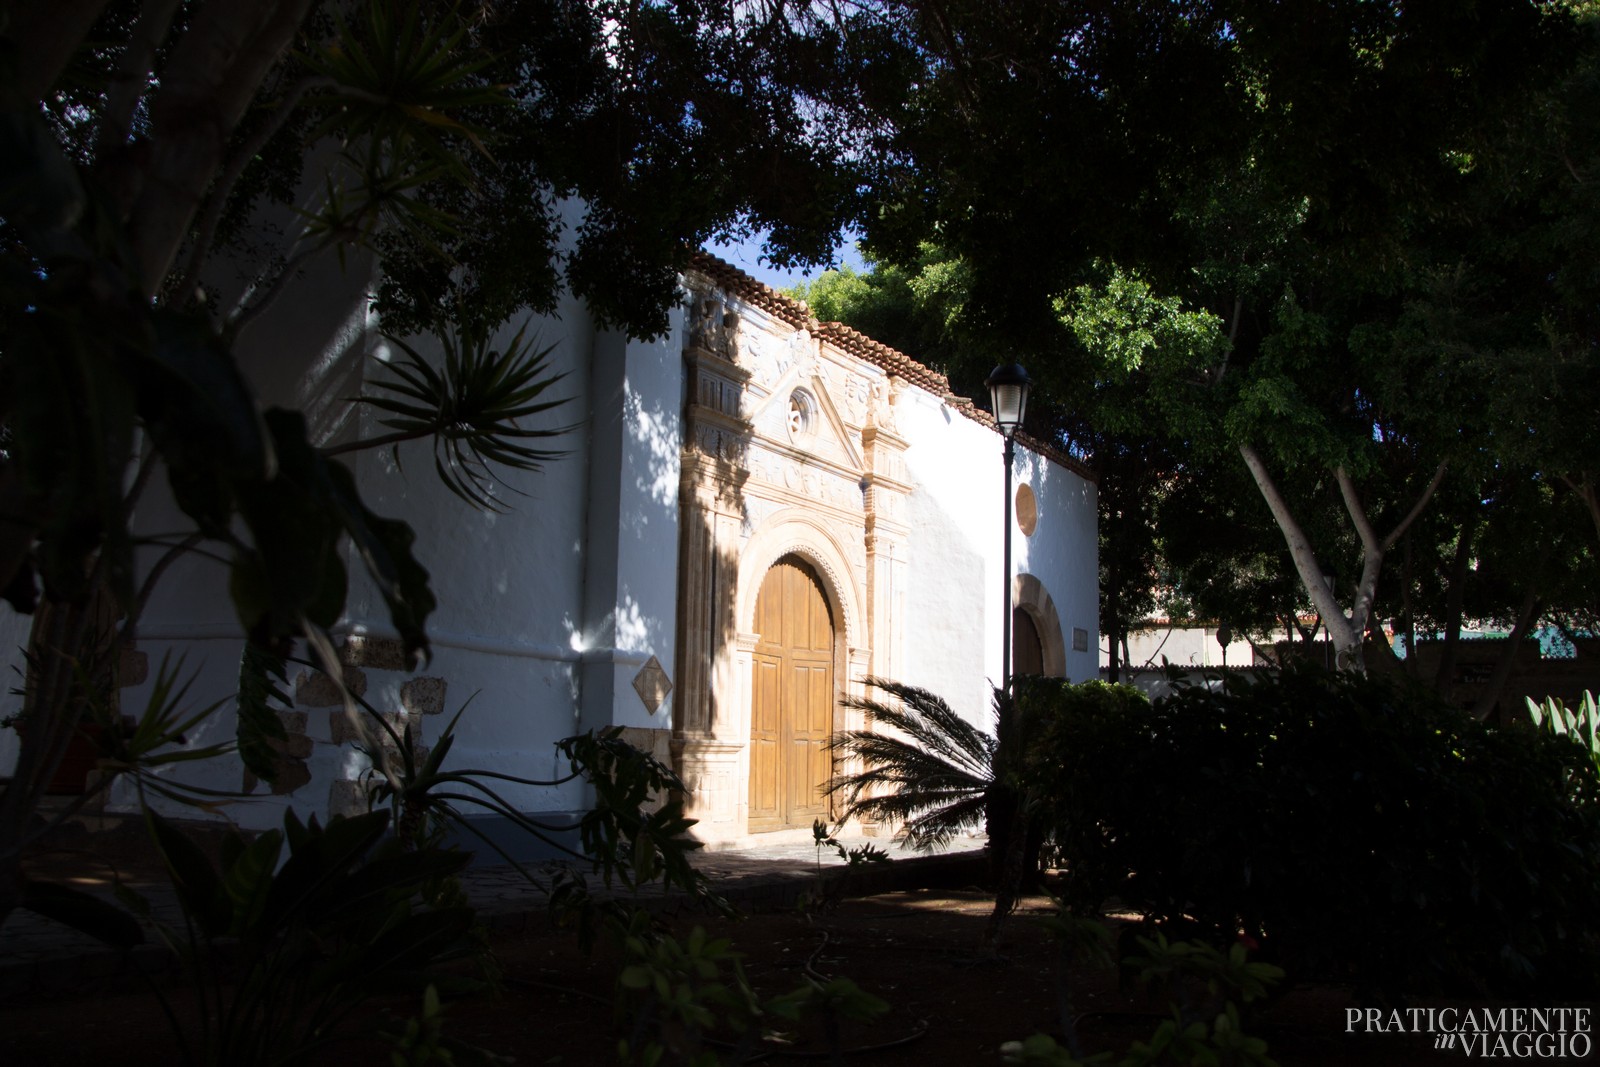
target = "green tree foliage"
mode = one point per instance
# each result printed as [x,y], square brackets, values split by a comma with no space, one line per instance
[1191,208]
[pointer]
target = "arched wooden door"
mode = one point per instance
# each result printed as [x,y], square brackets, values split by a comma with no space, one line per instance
[791,713]
[1027,647]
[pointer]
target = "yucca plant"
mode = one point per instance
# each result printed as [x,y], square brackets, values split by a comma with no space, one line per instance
[472,408]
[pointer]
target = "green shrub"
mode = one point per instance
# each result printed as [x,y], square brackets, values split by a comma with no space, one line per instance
[1361,832]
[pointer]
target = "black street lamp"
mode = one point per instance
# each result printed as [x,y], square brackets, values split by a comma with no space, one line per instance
[1008,395]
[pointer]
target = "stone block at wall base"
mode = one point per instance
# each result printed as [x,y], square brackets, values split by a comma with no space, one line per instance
[423,696]
[341,730]
[380,653]
[347,799]
[291,775]
[313,689]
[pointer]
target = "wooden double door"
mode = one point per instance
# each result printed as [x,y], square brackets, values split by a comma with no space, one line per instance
[792,699]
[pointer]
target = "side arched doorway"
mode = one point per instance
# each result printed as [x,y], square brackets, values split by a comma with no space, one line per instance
[792,699]
[1027,648]
[1037,646]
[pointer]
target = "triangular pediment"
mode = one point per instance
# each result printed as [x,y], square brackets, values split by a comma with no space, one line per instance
[800,416]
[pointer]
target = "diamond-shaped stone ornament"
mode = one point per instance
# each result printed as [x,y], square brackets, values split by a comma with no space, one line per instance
[652,684]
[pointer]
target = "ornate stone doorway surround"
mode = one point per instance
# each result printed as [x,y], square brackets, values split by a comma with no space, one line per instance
[790,448]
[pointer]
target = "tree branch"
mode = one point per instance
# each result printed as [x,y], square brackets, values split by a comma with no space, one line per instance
[1358,514]
[217,202]
[396,438]
[133,76]
[242,316]
[1233,334]
[1455,598]
[215,71]
[1584,486]
[1531,607]
[1422,502]
[1305,559]
[46,35]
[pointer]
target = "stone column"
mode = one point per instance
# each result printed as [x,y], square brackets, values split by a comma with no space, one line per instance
[706,746]
[886,490]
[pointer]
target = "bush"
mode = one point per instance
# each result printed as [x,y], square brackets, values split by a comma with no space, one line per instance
[1361,832]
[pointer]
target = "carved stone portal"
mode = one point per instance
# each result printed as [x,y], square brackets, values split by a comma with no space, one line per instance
[792,451]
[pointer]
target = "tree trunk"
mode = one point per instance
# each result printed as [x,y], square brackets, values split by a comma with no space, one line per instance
[1531,607]
[1347,631]
[45,36]
[1011,867]
[1453,604]
[1583,483]
[1346,641]
[17,525]
[214,72]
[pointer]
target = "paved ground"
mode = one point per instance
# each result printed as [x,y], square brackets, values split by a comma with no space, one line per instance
[40,956]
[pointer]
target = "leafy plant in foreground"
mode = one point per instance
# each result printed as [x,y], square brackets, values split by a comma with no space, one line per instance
[925,768]
[280,956]
[827,891]
[632,835]
[680,1007]
[929,769]
[1204,987]
[1582,725]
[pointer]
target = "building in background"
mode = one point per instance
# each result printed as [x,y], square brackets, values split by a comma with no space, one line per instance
[755,512]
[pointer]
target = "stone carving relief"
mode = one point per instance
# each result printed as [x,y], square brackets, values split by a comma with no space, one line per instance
[770,359]
[803,354]
[720,444]
[789,476]
[885,398]
[857,396]
[652,685]
[713,325]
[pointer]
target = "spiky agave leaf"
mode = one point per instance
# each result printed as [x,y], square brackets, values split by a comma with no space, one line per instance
[933,772]
[472,408]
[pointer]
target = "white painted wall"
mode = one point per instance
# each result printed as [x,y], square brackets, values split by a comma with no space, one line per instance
[1063,552]
[1187,646]
[508,632]
[956,551]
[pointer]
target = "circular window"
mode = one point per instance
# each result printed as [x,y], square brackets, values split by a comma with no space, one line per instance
[1027,511]
[802,411]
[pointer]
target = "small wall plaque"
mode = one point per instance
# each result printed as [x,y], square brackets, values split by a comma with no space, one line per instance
[652,684]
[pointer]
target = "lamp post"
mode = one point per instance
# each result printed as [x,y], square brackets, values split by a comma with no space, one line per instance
[1008,395]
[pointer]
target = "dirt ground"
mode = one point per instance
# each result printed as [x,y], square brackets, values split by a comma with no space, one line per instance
[916,950]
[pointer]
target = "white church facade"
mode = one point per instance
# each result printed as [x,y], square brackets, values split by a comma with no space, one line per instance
[755,512]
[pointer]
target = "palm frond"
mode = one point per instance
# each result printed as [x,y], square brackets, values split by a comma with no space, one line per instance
[924,765]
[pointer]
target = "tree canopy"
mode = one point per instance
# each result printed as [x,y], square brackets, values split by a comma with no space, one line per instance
[1344,243]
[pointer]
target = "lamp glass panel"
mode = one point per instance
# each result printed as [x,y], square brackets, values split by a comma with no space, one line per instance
[1009,401]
